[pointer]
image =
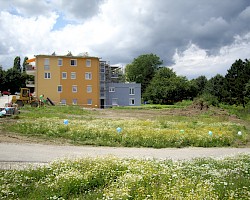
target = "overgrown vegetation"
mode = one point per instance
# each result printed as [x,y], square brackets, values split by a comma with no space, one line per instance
[113,178]
[86,127]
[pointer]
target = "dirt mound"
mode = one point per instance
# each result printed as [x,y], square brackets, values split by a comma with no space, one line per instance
[200,105]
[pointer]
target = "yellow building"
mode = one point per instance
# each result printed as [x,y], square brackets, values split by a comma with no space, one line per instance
[71,80]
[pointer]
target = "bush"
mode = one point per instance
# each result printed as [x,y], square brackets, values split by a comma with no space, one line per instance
[206,100]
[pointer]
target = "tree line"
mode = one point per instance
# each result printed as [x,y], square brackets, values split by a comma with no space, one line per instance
[161,85]
[15,77]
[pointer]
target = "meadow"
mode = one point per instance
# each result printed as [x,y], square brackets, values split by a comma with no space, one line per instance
[112,178]
[109,178]
[145,126]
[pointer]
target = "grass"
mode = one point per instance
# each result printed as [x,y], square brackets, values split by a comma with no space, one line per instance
[239,111]
[87,127]
[181,104]
[113,178]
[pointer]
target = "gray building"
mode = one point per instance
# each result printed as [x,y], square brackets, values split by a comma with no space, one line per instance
[114,91]
[124,94]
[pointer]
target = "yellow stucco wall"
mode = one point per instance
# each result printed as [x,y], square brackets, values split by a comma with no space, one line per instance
[49,87]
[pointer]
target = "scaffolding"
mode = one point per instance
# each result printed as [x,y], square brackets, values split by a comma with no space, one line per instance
[108,74]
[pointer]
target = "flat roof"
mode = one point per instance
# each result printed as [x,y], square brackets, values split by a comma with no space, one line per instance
[65,56]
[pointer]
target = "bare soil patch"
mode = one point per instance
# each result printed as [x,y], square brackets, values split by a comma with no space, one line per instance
[153,113]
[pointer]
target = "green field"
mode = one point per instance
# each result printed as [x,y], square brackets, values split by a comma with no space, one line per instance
[146,126]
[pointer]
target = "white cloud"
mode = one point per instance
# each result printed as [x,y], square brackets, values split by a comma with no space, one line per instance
[119,31]
[195,61]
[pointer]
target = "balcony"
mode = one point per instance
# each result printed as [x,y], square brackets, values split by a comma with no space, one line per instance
[114,76]
[30,70]
[30,84]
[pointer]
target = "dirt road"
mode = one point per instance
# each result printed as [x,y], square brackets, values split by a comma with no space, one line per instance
[23,153]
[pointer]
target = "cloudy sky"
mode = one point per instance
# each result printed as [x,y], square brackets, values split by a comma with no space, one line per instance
[194,37]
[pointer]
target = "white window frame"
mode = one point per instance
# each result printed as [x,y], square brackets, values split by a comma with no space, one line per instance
[88,63]
[74,101]
[47,75]
[111,89]
[89,102]
[73,75]
[59,90]
[74,88]
[74,62]
[131,91]
[63,102]
[88,76]
[60,62]
[64,75]
[114,101]
[89,88]
[131,100]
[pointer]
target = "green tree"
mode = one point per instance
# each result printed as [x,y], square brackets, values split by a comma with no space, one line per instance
[143,69]
[2,79]
[166,87]
[200,84]
[17,64]
[237,78]
[24,64]
[247,92]
[216,87]
[14,80]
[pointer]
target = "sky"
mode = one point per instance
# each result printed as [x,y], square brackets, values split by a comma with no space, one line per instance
[193,37]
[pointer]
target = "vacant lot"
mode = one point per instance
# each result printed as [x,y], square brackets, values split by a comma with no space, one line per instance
[146,126]
[113,178]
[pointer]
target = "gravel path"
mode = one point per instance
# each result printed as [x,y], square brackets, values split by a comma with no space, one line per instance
[14,155]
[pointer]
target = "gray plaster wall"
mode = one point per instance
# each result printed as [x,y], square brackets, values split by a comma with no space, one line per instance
[122,94]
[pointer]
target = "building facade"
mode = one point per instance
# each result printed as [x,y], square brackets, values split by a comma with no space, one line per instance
[82,80]
[124,94]
[68,79]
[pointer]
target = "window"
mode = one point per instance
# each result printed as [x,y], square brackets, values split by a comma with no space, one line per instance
[131,101]
[46,63]
[88,63]
[111,89]
[74,88]
[89,102]
[74,101]
[88,76]
[73,75]
[59,88]
[47,75]
[59,62]
[64,75]
[102,68]
[131,91]
[102,93]
[114,101]
[89,88]
[73,62]
[102,77]
[63,102]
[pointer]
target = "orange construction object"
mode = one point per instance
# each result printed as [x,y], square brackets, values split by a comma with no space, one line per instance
[31,60]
